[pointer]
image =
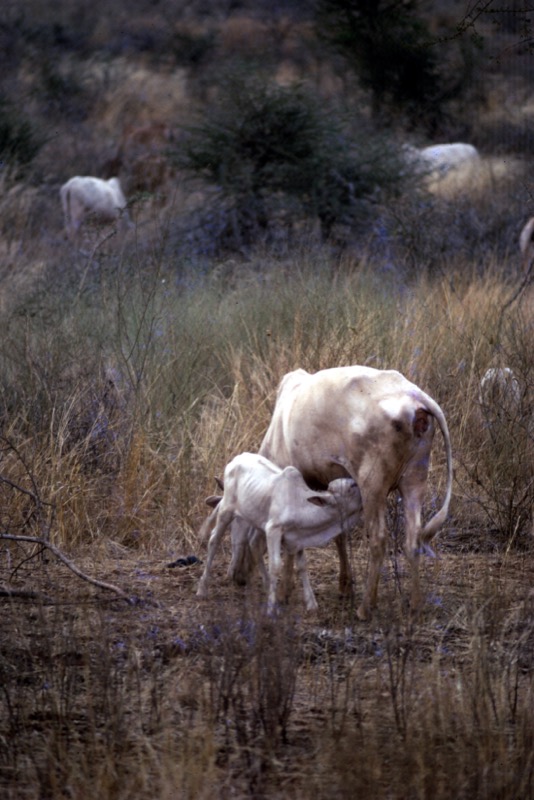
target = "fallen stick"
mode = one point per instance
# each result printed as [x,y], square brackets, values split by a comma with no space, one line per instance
[70,564]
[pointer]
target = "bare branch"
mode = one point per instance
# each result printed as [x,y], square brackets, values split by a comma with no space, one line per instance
[518,292]
[70,564]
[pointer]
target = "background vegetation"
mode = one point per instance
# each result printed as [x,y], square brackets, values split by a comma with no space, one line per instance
[287,233]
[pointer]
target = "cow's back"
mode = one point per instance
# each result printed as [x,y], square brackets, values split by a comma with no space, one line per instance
[323,420]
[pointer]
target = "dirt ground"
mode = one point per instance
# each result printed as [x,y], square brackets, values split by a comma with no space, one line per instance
[455,585]
[346,668]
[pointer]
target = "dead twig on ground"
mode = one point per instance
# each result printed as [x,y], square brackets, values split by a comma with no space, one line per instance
[67,561]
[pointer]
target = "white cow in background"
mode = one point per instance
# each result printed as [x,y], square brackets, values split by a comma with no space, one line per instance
[85,197]
[278,503]
[439,160]
[372,425]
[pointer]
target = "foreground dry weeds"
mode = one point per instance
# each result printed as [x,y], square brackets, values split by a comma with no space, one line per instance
[172,696]
[168,696]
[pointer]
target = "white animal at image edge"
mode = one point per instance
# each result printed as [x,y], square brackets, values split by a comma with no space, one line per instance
[278,503]
[439,159]
[85,196]
[526,243]
[499,388]
[374,426]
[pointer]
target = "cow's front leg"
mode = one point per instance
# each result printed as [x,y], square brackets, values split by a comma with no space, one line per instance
[345,572]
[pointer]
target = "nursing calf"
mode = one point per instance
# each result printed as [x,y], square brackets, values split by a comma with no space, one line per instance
[278,503]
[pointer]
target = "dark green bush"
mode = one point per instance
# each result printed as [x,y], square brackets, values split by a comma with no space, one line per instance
[63,92]
[19,141]
[275,153]
[387,46]
[190,49]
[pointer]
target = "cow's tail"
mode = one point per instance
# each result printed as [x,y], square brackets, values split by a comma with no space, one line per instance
[435,523]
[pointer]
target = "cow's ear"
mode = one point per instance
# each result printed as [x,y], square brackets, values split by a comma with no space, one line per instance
[220,483]
[318,500]
[213,500]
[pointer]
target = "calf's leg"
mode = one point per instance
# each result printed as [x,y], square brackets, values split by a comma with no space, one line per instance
[302,570]
[224,518]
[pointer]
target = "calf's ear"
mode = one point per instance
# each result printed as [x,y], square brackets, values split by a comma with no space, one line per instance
[220,483]
[213,500]
[318,500]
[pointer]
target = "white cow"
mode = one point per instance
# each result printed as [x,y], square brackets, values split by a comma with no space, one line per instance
[86,197]
[278,503]
[443,157]
[438,160]
[499,392]
[372,425]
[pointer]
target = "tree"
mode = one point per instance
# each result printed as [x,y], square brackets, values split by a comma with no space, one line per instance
[387,45]
[268,147]
[19,141]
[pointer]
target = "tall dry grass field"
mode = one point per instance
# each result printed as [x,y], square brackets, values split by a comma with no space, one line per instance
[123,397]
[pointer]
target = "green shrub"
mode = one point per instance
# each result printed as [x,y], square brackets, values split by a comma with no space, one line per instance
[385,44]
[275,155]
[63,92]
[191,49]
[19,142]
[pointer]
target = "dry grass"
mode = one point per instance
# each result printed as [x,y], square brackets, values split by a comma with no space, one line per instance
[212,699]
[117,424]
[132,373]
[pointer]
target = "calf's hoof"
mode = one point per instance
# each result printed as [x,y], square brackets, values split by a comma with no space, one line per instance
[363,613]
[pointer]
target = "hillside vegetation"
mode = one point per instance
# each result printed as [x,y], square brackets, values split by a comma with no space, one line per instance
[285,232]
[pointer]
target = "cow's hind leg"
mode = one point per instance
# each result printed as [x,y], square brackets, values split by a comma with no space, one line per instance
[412,523]
[375,525]
[412,496]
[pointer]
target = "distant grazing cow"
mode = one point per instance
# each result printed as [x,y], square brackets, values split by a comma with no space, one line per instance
[438,160]
[372,425]
[443,157]
[526,243]
[84,198]
[280,504]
